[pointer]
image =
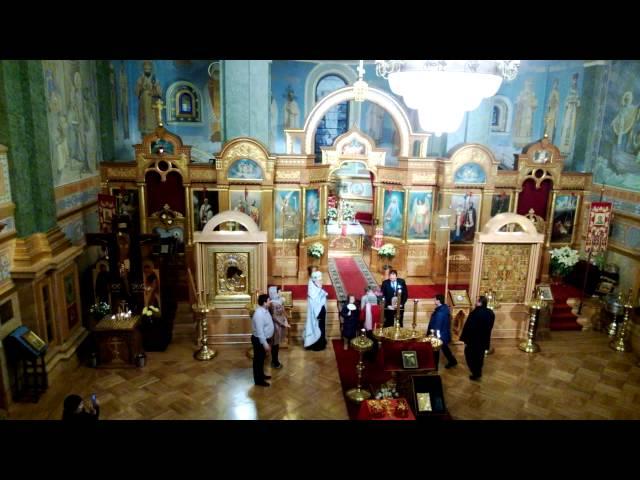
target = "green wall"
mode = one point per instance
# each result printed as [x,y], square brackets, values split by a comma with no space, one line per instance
[24,130]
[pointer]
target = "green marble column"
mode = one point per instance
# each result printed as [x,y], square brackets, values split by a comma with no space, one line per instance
[24,130]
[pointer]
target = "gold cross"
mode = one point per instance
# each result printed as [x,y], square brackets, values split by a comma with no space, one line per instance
[158,108]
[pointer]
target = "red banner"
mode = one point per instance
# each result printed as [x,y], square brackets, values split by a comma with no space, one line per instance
[598,227]
[106,211]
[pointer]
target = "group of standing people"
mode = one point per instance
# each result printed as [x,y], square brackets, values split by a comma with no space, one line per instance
[270,322]
[476,334]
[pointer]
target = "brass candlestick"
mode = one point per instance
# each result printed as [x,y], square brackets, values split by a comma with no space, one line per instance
[204,353]
[362,344]
[613,328]
[621,343]
[379,332]
[528,345]
[414,324]
[492,304]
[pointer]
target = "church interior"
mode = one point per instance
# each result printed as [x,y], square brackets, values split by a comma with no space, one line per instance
[146,204]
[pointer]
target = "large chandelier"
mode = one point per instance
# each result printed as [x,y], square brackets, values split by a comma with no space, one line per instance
[443,90]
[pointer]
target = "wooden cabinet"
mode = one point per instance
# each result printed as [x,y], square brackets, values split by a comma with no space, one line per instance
[118,341]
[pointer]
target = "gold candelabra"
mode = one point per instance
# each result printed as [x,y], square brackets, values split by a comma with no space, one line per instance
[613,328]
[529,346]
[492,304]
[414,324]
[621,343]
[204,353]
[362,344]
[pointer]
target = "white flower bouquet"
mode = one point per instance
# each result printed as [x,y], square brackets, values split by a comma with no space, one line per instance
[563,260]
[332,213]
[316,250]
[151,311]
[100,309]
[388,250]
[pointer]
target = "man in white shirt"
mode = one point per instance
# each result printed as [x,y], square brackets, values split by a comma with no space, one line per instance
[262,329]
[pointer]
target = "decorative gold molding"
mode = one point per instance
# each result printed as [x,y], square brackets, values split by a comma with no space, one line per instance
[71,188]
[428,178]
[288,175]
[506,179]
[39,247]
[7,209]
[203,175]
[574,181]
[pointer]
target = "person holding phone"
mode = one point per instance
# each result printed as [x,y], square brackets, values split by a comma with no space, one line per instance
[77,410]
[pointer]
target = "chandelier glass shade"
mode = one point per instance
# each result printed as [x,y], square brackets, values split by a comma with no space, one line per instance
[443,90]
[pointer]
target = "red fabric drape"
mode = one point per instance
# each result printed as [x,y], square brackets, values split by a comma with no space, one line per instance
[538,199]
[159,192]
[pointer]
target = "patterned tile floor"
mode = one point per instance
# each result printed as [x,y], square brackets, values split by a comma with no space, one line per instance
[575,376]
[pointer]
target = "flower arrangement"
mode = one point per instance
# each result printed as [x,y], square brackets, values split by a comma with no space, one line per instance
[562,261]
[100,309]
[388,250]
[316,250]
[151,311]
[386,391]
[332,213]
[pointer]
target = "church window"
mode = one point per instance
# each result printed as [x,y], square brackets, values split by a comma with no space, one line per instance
[336,121]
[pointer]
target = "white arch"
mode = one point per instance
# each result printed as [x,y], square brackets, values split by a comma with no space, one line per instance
[383,99]
[320,71]
[231,216]
[494,225]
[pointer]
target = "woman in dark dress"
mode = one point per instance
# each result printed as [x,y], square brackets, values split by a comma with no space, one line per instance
[350,317]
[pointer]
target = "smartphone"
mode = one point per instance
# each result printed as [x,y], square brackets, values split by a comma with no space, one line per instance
[93,398]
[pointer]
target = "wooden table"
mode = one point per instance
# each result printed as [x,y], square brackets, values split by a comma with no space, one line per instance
[119,342]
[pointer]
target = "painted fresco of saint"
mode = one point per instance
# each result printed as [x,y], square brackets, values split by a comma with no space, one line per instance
[291,110]
[571,104]
[552,111]
[526,105]
[147,91]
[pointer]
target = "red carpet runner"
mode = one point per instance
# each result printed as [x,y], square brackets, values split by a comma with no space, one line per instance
[562,318]
[353,280]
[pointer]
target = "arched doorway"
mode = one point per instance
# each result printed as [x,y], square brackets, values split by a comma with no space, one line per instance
[350,208]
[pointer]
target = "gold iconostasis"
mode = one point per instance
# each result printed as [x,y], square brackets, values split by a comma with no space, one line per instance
[288,195]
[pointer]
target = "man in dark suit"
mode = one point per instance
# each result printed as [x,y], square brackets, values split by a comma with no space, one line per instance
[476,336]
[441,324]
[393,287]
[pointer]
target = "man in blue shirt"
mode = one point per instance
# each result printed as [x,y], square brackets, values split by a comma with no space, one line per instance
[442,327]
[262,329]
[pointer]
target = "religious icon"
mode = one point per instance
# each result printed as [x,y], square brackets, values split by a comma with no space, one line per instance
[33,340]
[232,273]
[419,215]
[541,156]
[424,402]
[409,359]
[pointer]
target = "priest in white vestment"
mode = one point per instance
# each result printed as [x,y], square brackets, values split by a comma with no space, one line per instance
[314,329]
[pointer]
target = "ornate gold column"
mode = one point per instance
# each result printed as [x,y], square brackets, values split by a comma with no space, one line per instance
[303,213]
[188,224]
[143,207]
[323,210]
[405,215]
